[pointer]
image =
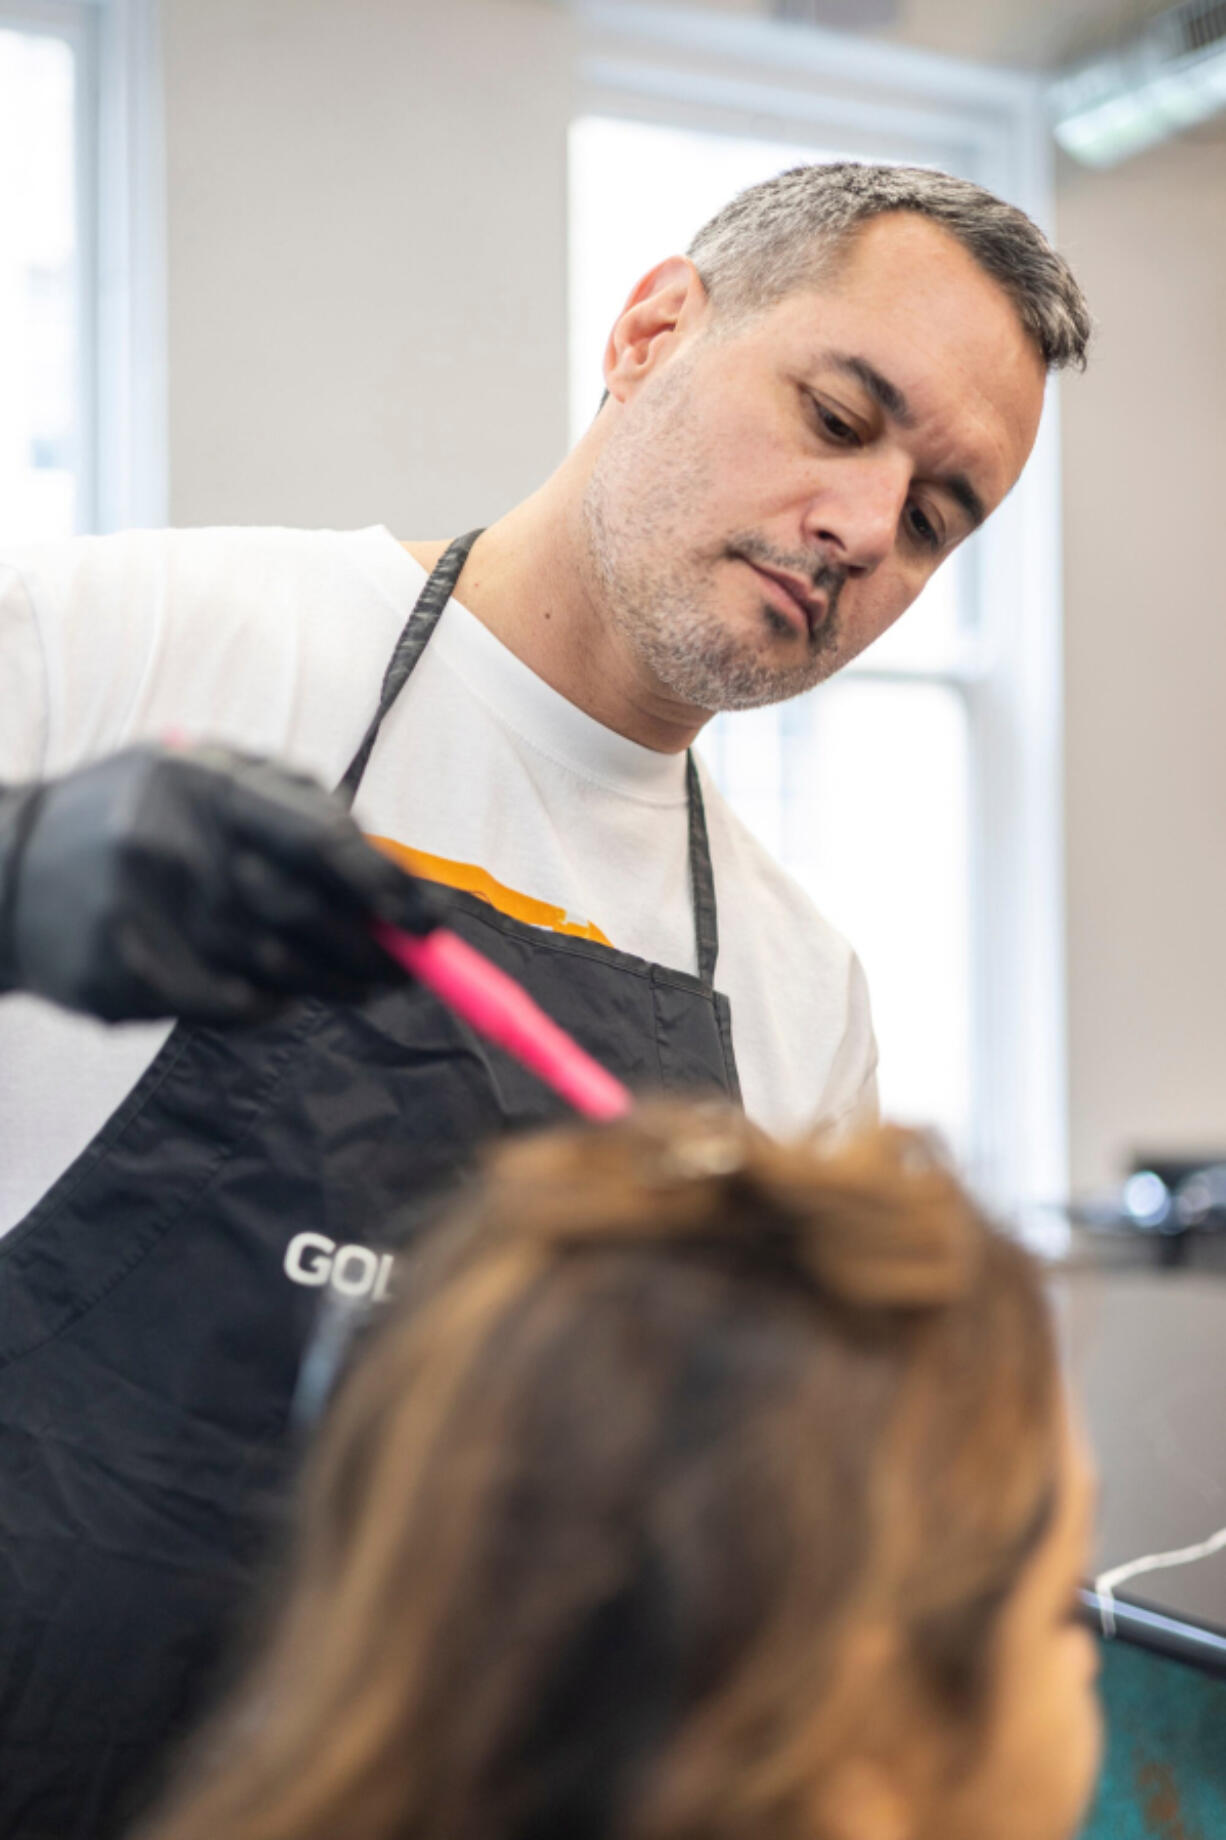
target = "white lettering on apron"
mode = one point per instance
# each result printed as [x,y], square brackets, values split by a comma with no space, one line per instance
[353,1271]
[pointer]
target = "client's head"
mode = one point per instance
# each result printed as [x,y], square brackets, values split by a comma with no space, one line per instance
[708,1490]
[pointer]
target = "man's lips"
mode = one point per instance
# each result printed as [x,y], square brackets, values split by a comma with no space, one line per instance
[793,596]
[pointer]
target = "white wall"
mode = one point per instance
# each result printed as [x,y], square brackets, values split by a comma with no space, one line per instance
[366,258]
[1145,614]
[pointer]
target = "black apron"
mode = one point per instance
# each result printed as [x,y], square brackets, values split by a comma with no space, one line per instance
[155,1304]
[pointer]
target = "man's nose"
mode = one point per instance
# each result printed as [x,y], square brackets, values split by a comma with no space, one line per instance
[856,519]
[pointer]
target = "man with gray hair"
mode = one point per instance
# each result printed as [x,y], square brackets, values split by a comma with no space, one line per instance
[804,417]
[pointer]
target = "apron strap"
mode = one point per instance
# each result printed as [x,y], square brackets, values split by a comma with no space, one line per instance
[409,648]
[702,876]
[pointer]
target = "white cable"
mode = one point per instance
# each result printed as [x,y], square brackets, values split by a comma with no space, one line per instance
[1106,1582]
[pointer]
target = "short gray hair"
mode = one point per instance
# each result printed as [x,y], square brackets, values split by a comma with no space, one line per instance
[785,233]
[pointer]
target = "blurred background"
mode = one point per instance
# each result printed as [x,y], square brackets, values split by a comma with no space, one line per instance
[345,262]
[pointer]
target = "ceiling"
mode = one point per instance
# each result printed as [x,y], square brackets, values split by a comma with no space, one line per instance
[1026,34]
[1033,35]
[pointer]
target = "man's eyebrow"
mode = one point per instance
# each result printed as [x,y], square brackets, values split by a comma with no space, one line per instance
[885,394]
[891,399]
[963,492]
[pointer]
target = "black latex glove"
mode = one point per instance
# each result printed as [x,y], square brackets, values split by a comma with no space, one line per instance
[201,884]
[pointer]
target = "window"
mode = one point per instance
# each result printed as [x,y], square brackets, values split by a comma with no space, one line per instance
[914,795]
[43,341]
[81,330]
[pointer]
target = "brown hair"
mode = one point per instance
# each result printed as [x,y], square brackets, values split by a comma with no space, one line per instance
[696,1460]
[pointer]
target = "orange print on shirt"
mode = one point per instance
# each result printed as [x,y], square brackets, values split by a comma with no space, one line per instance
[474,880]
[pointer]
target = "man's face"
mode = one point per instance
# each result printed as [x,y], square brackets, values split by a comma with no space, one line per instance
[772,496]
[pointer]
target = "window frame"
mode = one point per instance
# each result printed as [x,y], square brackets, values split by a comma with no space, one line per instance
[769,80]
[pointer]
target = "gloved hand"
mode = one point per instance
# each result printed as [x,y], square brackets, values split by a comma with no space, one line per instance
[202,884]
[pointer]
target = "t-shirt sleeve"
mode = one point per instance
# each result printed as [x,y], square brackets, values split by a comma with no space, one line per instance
[849,1101]
[78,627]
[23,684]
[270,641]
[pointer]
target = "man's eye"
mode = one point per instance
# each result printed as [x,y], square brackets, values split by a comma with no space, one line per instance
[922,529]
[834,425]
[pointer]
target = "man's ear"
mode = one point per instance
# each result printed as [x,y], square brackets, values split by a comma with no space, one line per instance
[664,305]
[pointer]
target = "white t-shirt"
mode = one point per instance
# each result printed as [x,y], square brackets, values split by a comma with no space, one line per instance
[275,641]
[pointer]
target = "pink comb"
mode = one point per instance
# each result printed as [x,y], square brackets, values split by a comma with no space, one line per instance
[498,1008]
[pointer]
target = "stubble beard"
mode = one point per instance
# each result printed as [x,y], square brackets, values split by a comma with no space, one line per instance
[665,601]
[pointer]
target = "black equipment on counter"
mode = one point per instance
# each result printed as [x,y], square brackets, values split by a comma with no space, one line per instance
[1176,1204]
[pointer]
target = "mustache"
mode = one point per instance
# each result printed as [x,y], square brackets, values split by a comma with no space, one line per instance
[825,577]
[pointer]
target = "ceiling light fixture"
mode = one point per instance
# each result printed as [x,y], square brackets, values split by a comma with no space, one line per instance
[839,15]
[1169,78]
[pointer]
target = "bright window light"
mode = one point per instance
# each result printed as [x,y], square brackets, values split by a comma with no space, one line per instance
[40,433]
[638,192]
